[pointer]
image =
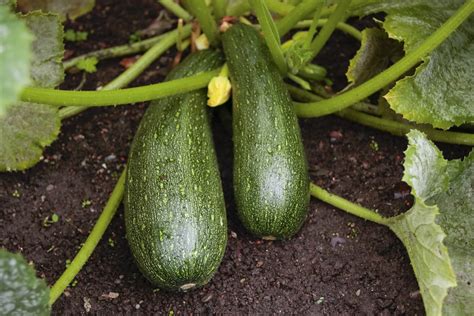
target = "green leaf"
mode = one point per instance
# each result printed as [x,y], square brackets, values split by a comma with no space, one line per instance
[71,8]
[438,230]
[440,92]
[24,132]
[27,128]
[457,220]
[88,64]
[21,292]
[15,56]
[374,55]
[48,49]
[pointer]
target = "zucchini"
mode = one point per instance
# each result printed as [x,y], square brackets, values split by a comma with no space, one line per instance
[271,181]
[174,205]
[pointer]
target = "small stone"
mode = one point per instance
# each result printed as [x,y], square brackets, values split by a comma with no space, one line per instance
[259,264]
[50,187]
[87,304]
[358,292]
[207,298]
[233,234]
[137,306]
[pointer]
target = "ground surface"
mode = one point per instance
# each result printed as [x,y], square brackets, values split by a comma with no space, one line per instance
[364,271]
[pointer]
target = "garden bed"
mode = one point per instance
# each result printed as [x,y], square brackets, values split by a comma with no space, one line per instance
[337,264]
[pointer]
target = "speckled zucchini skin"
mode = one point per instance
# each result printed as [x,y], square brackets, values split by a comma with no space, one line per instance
[174,205]
[271,181]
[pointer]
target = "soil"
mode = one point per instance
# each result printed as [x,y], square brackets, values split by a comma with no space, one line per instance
[337,264]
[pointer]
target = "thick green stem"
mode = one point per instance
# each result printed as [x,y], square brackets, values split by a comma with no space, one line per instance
[136,69]
[346,205]
[371,86]
[344,27]
[297,14]
[270,33]
[92,240]
[400,129]
[329,27]
[219,8]
[176,9]
[117,97]
[393,127]
[203,13]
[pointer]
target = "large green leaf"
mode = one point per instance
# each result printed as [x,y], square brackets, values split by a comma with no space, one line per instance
[21,292]
[27,128]
[440,92]
[15,56]
[438,230]
[70,8]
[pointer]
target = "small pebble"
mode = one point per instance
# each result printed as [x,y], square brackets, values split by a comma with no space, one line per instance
[337,241]
[207,298]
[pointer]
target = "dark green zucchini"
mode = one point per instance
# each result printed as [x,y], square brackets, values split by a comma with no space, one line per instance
[271,181]
[174,205]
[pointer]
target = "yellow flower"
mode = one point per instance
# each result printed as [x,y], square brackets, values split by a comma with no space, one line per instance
[202,42]
[218,91]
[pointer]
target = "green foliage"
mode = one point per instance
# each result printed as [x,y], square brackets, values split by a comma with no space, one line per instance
[15,56]
[71,8]
[437,230]
[88,64]
[21,292]
[26,128]
[374,55]
[440,92]
[75,36]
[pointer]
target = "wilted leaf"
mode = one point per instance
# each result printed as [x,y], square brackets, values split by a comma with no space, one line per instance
[21,292]
[437,231]
[71,8]
[440,92]
[374,55]
[15,56]
[27,128]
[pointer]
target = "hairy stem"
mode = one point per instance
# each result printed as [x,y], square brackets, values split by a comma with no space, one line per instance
[393,127]
[117,97]
[381,80]
[136,69]
[344,27]
[346,205]
[219,8]
[176,9]
[297,14]
[329,27]
[91,242]
[270,33]
[400,129]
[203,13]
[116,51]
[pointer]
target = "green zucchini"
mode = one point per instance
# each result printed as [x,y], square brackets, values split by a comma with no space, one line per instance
[174,205]
[271,181]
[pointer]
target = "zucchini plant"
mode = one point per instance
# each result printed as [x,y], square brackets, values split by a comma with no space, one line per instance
[419,60]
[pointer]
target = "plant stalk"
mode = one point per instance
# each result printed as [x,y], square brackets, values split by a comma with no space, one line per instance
[203,14]
[329,27]
[91,242]
[381,80]
[297,14]
[136,69]
[176,9]
[346,205]
[117,97]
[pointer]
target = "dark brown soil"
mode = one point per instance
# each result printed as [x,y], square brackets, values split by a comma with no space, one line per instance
[364,271]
